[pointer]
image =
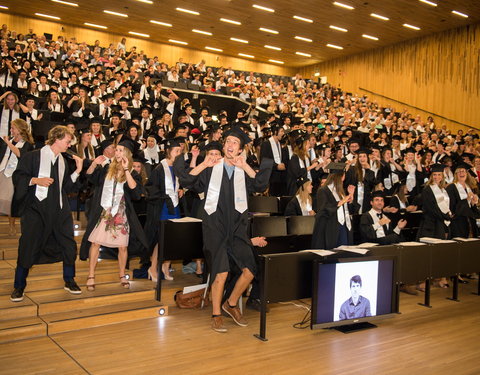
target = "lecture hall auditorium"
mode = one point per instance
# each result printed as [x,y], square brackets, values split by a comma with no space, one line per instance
[248,187]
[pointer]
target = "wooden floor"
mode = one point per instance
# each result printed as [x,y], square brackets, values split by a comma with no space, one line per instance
[440,340]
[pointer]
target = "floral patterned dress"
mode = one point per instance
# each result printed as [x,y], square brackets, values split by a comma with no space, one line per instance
[112,231]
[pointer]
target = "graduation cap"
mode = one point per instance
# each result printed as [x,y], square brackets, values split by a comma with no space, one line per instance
[123,99]
[213,146]
[180,140]
[104,144]
[170,143]
[409,150]
[336,168]
[364,150]
[435,168]
[302,180]
[462,165]
[116,114]
[139,158]
[377,194]
[128,143]
[83,131]
[353,140]
[238,133]
[299,141]
[468,155]
[396,138]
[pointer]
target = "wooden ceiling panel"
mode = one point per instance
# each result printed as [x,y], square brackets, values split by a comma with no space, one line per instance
[357,21]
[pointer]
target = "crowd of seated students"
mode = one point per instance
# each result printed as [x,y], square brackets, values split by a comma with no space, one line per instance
[110,94]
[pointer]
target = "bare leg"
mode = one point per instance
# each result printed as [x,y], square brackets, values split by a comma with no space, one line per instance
[166,270]
[199,270]
[122,261]
[154,260]
[217,292]
[240,286]
[92,262]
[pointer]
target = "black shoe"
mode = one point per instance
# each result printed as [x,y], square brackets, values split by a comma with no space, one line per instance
[254,304]
[72,287]
[17,295]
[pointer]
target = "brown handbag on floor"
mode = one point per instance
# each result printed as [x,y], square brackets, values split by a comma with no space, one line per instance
[191,300]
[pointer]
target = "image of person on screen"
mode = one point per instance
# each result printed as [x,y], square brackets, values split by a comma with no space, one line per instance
[357,306]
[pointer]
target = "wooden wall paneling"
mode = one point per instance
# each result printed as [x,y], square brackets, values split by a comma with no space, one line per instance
[438,73]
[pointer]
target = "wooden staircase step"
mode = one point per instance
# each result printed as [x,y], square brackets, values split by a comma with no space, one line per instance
[16,310]
[59,300]
[103,315]
[24,328]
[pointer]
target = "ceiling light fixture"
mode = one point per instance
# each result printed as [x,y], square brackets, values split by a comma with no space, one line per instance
[230,21]
[272,47]
[268,30]
[303,19]
[304,39]
[460,13]
[303,54]
[139,34]
[214,49]
[188,11]
[383,18]
[338,28]
[3,7]
[115,13]
[245,55]
[161,23]
[47,16]
[95,25]
[146,1]
[343,5]
[263,8]
[429,3]
[239,40]
[411,26]
[369,37]
[177,41]
[202,32]
[334,46]
[276,61]
[66,3]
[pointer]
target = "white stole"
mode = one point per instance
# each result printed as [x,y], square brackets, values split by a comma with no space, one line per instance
[343,216]
[171,191]
[379,231]
[306,208]
[94,141]
[411,179]
[402,205]
[4,120]
[47,159]
[112,194]
[151,154]
[214,187]
[290,152]
[305,165]
[276,154]
[463,192]
[10,160]
[443,200]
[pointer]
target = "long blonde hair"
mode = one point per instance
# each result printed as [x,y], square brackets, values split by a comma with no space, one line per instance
[116,168]
[22,128]
[336,179]
[470,181]
[303,193]
[442,183]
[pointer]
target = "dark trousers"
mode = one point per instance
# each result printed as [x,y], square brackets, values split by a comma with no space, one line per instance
[21,275]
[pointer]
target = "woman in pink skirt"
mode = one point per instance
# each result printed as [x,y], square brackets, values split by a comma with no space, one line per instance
[113,222]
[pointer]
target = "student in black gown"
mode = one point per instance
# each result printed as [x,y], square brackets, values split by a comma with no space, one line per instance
[301,204]
[362,177]
[112,221]
[225,184]
[299,164]
[163,197]
[333,227]
[42,180]
[463,203]
[376,227]
[272,149]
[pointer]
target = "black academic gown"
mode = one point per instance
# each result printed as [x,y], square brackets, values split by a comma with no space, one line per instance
[432,224]
[293,208]
[294,171]
[369,182]
[327,228]
[277,178]
[156,198]
[47,229]
[464,220]
[368,233]
[137,242]
[226,243]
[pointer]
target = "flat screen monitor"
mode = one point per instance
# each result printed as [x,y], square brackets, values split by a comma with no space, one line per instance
[352,290]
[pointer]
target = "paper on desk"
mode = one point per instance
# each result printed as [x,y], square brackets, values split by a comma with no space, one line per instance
[194,288]
[352,249]
[322,253]
[463,239]
[434,240]
[411,243]
[367,245]
[186,219]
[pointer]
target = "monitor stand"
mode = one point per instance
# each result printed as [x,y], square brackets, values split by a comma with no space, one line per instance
[349,328]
